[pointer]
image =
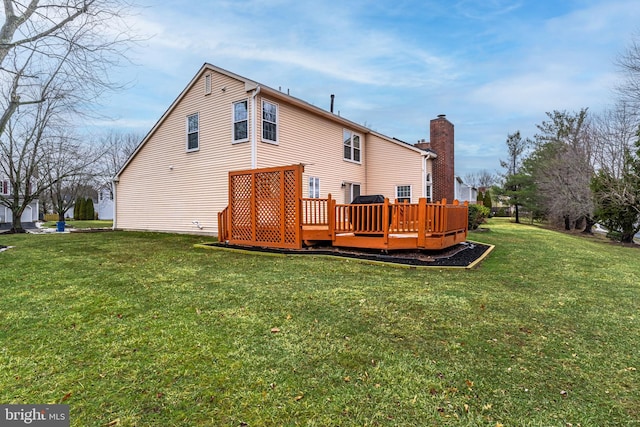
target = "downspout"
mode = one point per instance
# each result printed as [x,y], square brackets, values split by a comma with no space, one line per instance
[115,203]
[425,158]
[254,129]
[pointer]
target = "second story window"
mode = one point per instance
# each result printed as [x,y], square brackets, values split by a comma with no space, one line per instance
[351,144]
[4,187]
[240,122]
[193,132]
[269,121]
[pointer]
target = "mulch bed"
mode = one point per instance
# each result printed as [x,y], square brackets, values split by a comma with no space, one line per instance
[460,255]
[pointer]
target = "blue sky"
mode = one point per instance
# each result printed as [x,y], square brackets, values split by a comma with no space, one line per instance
[492,66]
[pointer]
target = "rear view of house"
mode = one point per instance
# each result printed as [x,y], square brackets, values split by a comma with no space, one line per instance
[177,180]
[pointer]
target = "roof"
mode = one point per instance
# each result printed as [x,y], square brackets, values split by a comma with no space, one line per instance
[251,85]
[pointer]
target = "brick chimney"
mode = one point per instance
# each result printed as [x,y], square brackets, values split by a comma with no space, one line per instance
[441,134]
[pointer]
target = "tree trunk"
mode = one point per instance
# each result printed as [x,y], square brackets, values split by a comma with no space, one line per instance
[567,223]
[16,224]
[517,215]
[626,237]
[588,228]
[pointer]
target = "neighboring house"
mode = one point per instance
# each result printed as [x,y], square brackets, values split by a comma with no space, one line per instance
[177,179]
[104,207]
[465,192]
[30,214]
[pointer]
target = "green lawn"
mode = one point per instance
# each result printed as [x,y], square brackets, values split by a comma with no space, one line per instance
[135,329]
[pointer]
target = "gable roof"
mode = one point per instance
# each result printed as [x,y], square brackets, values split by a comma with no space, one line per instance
[253,85]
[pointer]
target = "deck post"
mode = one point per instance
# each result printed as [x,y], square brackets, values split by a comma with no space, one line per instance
[422,221]
[385,221]
[445,225]
[254,210]
[283,207]
[331,217]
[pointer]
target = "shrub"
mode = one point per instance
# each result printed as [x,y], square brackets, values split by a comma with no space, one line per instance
[477,215]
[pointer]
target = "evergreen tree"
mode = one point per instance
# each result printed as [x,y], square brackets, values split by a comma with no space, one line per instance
[514,180]
[90,209]
[78,208]
[486,199]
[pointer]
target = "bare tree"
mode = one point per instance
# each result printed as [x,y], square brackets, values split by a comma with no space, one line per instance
[629,65]
[482,178]
[616,186]
[118,147]
[563,165]
[615,133]
[54,62]
[22,153]
[68,169]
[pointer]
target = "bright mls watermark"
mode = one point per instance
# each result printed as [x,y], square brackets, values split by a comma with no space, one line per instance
[34,415]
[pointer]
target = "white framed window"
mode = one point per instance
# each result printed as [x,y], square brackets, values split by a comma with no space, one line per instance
[207,84]
[240,121]
[351,145]
[193,132]
[269,121]
[403,193]
[428,189]
[4,187]
[314,187]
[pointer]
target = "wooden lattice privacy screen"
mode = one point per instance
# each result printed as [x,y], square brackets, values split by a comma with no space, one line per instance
[264,207]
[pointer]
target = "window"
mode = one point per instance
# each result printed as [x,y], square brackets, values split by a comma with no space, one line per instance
[193,126]
[428,188]
[4,187]
[314,187]
[269,121]
[351,145]
[240,122]
[403,193]
[207,84]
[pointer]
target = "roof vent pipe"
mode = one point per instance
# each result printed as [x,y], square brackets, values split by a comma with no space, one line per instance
[332,98]
[442,116]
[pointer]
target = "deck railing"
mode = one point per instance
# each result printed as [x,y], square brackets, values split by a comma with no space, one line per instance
[314,211]
[323,219]
[223,225]
[385,218]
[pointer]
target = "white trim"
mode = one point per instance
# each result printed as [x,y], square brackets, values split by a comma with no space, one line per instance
[352,149]
[314,185]
[404,197]
[233,122]
[277,122]
[189,150]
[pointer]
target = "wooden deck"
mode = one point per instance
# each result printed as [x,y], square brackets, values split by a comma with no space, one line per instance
[266,209]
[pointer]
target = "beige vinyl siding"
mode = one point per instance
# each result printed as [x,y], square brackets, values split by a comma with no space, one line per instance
[390,164]
[166,188]
[314,141]
[153,196]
